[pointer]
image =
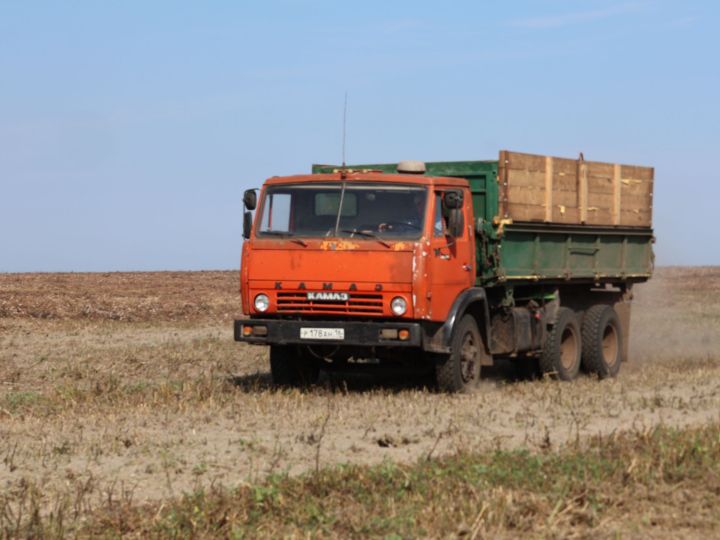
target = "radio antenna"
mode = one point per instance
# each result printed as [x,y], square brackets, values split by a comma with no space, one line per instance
[344,129]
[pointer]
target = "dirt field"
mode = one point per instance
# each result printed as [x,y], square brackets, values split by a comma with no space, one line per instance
[130,386]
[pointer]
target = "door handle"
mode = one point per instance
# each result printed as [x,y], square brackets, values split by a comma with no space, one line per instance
[443,256]
[466,267]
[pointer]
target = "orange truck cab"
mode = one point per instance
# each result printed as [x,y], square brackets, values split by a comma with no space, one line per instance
[351,268]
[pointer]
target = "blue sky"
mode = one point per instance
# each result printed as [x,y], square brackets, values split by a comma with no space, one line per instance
[129,130]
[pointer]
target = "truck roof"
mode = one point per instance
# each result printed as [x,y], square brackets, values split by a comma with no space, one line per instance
[354,175]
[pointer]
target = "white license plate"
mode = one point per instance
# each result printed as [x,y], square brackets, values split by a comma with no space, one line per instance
[322,333]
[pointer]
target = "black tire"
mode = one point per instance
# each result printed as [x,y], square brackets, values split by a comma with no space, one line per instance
[602,341]
[460,372]
[290,368]
[561,354]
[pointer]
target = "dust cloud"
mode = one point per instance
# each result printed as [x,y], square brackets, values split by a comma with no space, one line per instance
[676,316]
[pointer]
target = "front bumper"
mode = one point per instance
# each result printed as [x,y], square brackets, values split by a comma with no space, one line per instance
[366,334]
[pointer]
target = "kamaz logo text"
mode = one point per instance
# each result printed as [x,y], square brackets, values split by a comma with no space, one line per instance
[326,296]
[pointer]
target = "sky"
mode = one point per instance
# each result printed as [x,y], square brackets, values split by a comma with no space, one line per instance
[129,130]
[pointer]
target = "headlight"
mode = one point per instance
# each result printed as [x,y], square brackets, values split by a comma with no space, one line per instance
[398,305]
[262,302]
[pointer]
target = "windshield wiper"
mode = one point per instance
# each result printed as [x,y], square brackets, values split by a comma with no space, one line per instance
[367,234]
[285,234]
[277,233]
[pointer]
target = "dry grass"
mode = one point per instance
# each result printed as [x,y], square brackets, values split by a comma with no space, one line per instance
[128,387]
[659,482]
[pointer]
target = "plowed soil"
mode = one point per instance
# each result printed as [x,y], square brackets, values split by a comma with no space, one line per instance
[130,385]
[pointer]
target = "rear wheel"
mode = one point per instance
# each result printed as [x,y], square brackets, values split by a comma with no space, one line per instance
[289,367]
[602,341]
[561,354]
[460,372]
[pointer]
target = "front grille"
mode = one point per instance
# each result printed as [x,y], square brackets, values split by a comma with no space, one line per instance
[358,303]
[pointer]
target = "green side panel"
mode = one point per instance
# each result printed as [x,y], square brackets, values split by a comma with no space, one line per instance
[384,167]
[543,252]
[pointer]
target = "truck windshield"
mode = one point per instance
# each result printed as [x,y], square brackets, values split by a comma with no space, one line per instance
[368,210]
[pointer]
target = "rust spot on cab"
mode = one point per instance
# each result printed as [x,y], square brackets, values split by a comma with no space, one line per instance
[338,245]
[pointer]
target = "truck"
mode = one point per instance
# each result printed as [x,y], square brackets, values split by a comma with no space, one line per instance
[446,267]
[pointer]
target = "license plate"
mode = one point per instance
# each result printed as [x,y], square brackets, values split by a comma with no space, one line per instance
[322,333]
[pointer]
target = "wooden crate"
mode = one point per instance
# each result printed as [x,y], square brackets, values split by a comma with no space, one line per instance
[574,191]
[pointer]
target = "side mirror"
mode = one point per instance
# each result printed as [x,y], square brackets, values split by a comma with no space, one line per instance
[456,223]
[247,224]
[250,199]
[453,200]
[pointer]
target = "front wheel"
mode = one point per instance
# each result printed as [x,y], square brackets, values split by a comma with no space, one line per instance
[291,368]
[561,353]
[460,372]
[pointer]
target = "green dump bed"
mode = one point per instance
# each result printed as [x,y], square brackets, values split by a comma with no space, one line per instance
[540,218]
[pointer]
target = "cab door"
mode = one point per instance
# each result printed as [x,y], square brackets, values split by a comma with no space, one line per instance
[451,260]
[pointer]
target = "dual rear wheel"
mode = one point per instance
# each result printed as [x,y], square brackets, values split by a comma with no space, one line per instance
[602,341]
[596,346]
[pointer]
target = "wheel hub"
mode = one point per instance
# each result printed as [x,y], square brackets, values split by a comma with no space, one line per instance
[568,348]
[610,345]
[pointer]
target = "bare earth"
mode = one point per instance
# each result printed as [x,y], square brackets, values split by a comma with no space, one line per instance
[130,385]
